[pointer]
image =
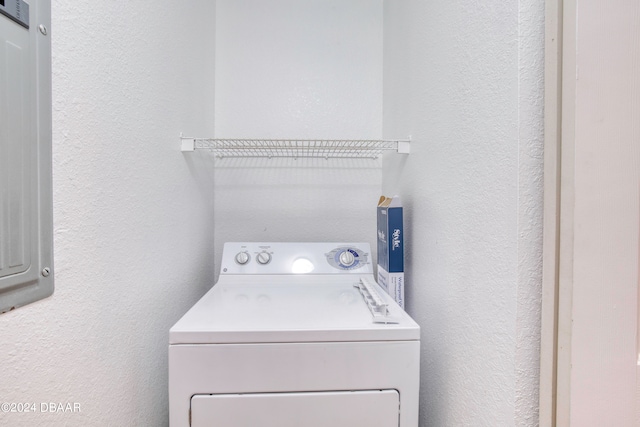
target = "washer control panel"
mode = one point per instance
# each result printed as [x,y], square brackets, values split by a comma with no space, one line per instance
[296,258]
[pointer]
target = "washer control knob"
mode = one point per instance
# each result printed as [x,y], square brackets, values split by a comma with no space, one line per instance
[263,257]
[347,259]
[242,257]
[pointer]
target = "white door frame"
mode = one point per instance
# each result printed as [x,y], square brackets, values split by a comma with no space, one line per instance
[561,83]
[551,212]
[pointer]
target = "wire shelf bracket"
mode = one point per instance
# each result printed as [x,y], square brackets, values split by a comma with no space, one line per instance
[319,148]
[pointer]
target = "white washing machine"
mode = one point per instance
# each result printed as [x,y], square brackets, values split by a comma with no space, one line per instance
[295,335]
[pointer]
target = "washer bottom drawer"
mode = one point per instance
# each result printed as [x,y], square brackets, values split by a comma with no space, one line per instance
[371,408]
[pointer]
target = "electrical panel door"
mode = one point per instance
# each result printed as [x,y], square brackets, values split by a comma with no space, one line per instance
[26,230]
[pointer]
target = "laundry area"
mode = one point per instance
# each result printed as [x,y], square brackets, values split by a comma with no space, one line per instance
[141,218]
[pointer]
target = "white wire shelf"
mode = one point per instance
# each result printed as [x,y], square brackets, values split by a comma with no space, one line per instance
[319,148]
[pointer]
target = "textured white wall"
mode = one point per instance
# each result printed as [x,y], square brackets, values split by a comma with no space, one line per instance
[292,69]
[464,79]
[132,216]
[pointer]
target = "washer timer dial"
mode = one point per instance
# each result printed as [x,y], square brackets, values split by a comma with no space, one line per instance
[347,258]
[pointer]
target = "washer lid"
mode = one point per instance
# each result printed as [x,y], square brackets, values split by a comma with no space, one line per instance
[290,309]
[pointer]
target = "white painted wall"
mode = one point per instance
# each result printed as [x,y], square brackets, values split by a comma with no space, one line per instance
[465,80]
[292,69]
[132,216]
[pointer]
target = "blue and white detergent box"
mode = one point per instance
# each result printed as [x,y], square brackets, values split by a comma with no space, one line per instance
[391,247]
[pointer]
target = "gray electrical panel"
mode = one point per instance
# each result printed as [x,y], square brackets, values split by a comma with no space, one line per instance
[26,225]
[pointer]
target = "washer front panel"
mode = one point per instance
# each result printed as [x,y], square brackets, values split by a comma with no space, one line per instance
[293,368]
